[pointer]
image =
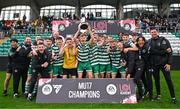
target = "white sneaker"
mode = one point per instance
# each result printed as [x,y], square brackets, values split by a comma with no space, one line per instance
[29,98]
[16,95]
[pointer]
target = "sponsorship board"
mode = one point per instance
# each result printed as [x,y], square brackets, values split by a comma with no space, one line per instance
[86,91]
[69,27]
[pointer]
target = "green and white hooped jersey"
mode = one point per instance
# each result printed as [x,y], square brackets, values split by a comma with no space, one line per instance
[94,55]
[83,52]
[127,44]
[104,58]
[59,59]
[115,57]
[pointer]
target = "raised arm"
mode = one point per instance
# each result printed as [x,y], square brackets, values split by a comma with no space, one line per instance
[132,48]
[77,34]
[61,50]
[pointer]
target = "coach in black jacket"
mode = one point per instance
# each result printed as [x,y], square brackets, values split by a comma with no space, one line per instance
[140,66]
[20,65]
[40,65]
[11,54]
[161,59]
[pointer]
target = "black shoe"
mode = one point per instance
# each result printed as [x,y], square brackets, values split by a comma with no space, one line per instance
[25,95]
[146,93]
[34,94]
[29,98]
[173,100]
[151,98]
[16,95]
[140,98]
[157,97]
[5,93]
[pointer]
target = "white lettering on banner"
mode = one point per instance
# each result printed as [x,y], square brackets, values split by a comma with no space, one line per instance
[85,85]
[84,94]
[125,89]
[101,31]
[125,93]
[57,88]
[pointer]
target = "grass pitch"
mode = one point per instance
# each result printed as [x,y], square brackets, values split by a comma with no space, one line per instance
[21,102]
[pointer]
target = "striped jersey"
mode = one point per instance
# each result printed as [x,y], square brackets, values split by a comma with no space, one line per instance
[83,52]
[94,55]
[104,55]
[58,61]
[127,44]
[115,56]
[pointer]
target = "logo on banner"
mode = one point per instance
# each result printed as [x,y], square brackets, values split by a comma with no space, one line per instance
[111,89]
[100,26]
[128,25]
[57,88]
[61,27]
[125,89]
[47,89]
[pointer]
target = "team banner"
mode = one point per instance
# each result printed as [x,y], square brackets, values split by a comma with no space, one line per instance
[69,27]
[86,91]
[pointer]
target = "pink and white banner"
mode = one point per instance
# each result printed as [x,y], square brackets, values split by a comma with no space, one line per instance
[66,27]
[128,25]
[60,25]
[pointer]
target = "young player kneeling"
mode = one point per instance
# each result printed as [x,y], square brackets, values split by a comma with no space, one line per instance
[40,63]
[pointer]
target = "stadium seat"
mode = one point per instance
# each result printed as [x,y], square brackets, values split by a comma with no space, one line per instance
[174,39]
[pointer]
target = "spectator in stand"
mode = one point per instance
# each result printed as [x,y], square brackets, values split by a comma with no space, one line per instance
[178,26]
[24,18]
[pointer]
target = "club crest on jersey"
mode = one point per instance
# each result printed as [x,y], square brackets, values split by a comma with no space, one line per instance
[164,42]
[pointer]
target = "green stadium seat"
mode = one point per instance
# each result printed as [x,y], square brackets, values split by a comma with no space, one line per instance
[6,49]
[24,35]
[16,35]
[5,46]
[1,54]
[32,35]
[1,50]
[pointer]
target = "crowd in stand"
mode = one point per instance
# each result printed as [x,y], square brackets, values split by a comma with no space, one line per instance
[39,25]
[43,24]
[162,23]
